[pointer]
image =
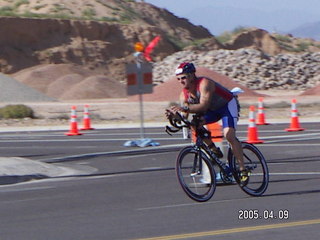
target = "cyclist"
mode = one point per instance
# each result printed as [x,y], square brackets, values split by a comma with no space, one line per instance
[204,96]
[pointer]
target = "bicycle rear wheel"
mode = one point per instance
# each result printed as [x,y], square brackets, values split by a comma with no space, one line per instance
[195,174]
[255,162]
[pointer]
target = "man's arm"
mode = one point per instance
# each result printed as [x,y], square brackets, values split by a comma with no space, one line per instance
[206,90]
[184,105]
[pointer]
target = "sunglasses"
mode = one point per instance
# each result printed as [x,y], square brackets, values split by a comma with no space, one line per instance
[182,78]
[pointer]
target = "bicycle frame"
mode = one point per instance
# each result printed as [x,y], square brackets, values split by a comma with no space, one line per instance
[199,144]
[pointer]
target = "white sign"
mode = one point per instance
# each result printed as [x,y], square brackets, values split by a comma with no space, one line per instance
[139,78]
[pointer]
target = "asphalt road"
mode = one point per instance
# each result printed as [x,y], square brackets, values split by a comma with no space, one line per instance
[135,195]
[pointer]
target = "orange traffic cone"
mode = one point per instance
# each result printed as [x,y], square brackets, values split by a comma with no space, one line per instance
[73,123]
[295,125]
[261,116]
[86,119]
[252,129]
[216,131]
[193,136]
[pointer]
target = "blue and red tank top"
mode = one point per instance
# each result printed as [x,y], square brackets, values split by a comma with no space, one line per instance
[220,97]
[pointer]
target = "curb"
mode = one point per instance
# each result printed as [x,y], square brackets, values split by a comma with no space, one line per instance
[158,149]
[16,170]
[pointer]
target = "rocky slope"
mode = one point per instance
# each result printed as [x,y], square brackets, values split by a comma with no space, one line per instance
[251,68]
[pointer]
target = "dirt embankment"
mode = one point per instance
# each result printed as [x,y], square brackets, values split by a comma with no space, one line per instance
[66,82]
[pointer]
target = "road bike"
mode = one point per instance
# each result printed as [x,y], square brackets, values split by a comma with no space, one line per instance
[195,164]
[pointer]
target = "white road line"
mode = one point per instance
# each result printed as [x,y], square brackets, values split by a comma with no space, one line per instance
[192,204]
[80,140]
[295,173]
[24,189]
[293,140]
[287,144]
[292,136]
[144,155]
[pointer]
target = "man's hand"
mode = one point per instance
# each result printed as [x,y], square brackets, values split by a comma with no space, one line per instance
[170,113]
[173,112]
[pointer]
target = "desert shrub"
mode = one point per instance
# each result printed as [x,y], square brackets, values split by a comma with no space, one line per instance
[20,2]
[16,111]
[7,11]
[224,37]
[88,13]
[228,35]
[302,46]
[283,38]
[239,29]
[38,7]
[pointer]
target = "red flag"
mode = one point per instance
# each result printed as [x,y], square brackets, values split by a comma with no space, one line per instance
[150,48]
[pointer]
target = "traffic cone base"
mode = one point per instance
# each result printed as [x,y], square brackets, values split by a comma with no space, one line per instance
[86,127]
[294,129]
[72,134]
[253,136]
[294,126]
[263,123]
[73,130]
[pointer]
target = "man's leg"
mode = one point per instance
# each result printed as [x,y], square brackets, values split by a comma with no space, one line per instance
[216,150]
[230,135]
[208,141]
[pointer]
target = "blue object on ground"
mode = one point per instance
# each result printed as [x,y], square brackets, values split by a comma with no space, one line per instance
[145,142]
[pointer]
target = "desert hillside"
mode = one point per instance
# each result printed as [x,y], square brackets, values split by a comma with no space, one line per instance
[72,49]
[35,33]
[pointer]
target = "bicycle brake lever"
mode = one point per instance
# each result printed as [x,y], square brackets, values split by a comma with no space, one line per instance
[168,131]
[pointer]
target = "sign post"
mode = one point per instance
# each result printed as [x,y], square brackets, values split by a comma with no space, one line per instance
[139,82]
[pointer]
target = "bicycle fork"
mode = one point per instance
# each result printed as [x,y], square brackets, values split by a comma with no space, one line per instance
[197,164]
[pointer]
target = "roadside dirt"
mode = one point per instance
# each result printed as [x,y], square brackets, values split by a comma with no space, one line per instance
[114,111]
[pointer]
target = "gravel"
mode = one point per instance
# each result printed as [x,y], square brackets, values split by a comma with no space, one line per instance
[16,92]
[251,68]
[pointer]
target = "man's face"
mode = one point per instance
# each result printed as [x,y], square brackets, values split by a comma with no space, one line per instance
[184,79]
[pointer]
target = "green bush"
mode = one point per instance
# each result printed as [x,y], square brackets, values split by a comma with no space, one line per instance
[283,38]
[16,111]
[20,2]
[89,13]
[224,37]
[228,35]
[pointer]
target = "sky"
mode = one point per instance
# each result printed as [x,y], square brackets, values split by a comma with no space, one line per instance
[226,15]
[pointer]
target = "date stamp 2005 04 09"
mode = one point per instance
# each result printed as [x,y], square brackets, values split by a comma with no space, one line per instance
[253,214]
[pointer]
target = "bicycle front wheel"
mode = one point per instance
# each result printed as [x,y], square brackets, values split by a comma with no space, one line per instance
[195,174]
[255,162]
